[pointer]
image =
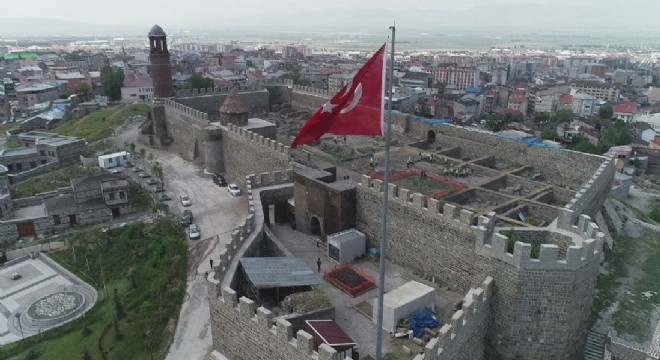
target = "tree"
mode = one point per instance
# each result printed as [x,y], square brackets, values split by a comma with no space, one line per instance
[563,116]
[618,134]
[143,153]
[249,63]
[548,134]
[84,89]
[157,170]
[132,145]
[113,80]
[498,122]
[541,117]
[598,124]
[85,354]
[425,111]
[197,81]
[605,112]
[584,145]
[119,308]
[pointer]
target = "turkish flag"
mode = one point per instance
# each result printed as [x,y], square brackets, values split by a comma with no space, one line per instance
[357,109]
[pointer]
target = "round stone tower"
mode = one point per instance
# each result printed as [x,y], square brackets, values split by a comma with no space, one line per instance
[233,110]
[159,58]
[214,153]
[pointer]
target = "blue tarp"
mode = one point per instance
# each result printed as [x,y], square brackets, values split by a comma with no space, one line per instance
[423,319]
[531,141]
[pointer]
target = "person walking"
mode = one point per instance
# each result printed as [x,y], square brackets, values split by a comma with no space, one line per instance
[318,264]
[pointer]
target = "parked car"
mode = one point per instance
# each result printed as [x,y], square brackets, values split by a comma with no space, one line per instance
[163,197]
[144,175]
[219,180]
[193,232]
[129,164]
[234,190]
[136,169]
[157,189]
[186,218]
[152,181]
[185,200]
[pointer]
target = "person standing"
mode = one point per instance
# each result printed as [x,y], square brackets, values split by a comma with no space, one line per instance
[318,264]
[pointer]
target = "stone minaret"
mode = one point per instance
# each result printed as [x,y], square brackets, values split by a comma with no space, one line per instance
[159,58]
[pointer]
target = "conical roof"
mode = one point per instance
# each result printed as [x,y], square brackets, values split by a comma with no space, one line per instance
[233,104]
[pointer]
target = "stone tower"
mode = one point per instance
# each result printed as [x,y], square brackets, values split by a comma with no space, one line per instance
[233,110]
[159,58]
[6,205]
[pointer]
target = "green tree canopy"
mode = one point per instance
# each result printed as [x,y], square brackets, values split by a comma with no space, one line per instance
[563,116]
[84,89]
[548,134]
[541,117]
[605,112]
[197,81]
[499,122]
[113,80]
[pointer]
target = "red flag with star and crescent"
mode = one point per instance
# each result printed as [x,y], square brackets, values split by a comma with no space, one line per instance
[357,109]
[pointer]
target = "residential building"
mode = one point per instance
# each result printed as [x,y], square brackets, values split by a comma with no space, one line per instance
[137,88]
[453,75]
[37,93]
[600,90]
[416,79]
[628,78]
[545,98]
[74,80]
[518,101]
[583,105]
[624,111]
[654,95]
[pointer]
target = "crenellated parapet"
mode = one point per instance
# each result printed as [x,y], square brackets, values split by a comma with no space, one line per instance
[419,202]
[219,90]
[586,245]
[454,338]
[588,195]
[312,90]
[269,179]
[187,110]
[259,140]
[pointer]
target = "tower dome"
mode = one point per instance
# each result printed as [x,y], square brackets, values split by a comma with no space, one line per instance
[156,30]
[233,110]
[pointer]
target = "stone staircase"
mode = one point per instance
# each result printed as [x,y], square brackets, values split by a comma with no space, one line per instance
[595,347]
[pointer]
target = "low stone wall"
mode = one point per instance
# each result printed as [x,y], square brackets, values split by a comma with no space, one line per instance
[621,351]
[210,100]
[14,178]
[53,245]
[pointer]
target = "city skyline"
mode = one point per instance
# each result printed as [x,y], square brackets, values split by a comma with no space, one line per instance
[426,16]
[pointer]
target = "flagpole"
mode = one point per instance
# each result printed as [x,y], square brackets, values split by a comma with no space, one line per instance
[383,239]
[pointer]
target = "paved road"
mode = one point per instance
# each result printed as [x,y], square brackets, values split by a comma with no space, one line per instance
[216,212]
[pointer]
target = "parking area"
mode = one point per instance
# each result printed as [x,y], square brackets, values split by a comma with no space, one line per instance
[216,213]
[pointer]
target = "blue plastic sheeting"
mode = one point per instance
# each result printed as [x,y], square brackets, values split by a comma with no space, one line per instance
[436,121]
[423,319]
[531,141]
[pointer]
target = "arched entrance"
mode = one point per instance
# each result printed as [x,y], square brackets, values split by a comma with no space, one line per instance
[315,226]
[430,137]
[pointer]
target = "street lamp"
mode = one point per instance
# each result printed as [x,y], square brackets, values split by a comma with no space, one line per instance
[18,316]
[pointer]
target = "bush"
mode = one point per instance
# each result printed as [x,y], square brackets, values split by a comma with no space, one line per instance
[32,354]
[85,331]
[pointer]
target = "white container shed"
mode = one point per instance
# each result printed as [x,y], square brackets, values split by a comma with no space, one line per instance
[404,301]
[345,246]
[114,160]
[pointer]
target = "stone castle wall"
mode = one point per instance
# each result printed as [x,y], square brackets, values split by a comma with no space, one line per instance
[249,153]
[209,101]
[185,126]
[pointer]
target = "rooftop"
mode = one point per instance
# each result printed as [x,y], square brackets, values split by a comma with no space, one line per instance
[135,80]
[628,107]
[278,272]
[330,332]
[156,30]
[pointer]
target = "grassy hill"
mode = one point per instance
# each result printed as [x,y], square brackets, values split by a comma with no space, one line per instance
[146,264]
[100,124]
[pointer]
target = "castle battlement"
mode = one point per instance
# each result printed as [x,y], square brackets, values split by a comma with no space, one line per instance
[187,110]
[312,90]
[269,179]
[278,81]
[274,146]
[219,90]
[585,195]
[281,333]
[419,202]
[472,317]
[489,241]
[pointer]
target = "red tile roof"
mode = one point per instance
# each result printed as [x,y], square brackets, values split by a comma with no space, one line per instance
[625,108]
[330,332]
[566,99]
[656,140]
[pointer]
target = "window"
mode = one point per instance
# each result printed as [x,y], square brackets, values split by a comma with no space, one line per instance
[56,219]
[110,160]
[42,153]
[122,195]
[33,164]
[19,166]
[112,196]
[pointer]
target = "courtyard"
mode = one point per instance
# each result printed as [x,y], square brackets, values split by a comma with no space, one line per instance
[36,294]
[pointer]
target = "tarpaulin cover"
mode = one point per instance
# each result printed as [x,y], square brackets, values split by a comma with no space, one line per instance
[423,319]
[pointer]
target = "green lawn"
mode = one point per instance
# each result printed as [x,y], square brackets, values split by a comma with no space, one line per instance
[13,143]
[146,263]
[100,124]
[6,127]
[51,180]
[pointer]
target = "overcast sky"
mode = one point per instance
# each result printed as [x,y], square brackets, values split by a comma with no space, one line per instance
[348,15]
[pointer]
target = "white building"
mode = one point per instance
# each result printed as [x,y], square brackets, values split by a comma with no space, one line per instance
[137,88]
[583,105]
[114,160]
